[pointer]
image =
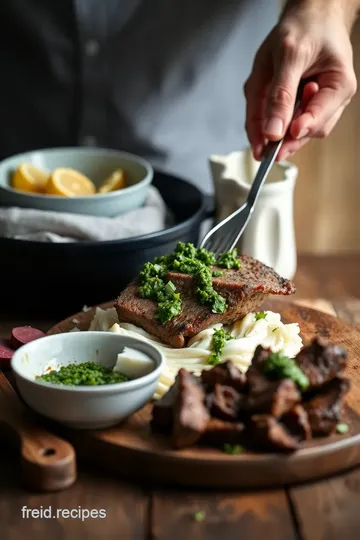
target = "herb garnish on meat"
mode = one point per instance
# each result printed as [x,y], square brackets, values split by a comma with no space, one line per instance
[229,260]
[185,259]
[220,337]
[279,366]
[153,286]
[217,273]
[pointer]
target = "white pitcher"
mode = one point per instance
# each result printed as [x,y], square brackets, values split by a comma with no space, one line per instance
[269,235]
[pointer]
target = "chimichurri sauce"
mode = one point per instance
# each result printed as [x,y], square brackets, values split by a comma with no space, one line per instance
[84,374]
[186,259]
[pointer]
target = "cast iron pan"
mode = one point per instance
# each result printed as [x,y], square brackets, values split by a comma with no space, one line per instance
[54,280]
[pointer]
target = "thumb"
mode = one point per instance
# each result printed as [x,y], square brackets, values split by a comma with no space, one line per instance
[281,100]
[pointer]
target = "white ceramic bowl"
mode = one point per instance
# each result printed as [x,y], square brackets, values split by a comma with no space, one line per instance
[97,164]
[84,407]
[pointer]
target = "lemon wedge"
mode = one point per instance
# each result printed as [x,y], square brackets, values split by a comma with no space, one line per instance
[115,181]
[29,178]
[69,183]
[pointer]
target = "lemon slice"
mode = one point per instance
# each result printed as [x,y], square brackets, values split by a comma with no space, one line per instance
[115,181]
[30,179]
[69,183]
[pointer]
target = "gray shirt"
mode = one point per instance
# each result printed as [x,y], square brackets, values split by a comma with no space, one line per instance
[160,78]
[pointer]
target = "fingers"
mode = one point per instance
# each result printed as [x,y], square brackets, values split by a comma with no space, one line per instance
[255,90]
[291,146]
[288,70]
[310,89]
[335,93]
[272,87]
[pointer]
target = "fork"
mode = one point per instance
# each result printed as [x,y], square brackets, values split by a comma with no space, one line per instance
[226,234]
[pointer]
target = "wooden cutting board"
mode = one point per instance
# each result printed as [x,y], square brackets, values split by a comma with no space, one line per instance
[130,449]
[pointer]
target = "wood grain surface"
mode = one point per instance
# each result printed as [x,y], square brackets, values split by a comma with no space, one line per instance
[321,510]
[265,514]
[129,452]
[47,461]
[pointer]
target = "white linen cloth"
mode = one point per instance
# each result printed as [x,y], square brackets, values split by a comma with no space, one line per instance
[45,226]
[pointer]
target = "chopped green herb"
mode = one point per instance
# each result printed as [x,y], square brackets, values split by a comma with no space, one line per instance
[84,374]
[186,259]
[260,315]
[277,328]
[154,286]
[233,448]
[168,308]
[229,260]
[207,257]
[220,337]
[280,366]
[342,428]
[199,516]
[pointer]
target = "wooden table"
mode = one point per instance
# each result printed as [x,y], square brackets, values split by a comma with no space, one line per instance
[325,510]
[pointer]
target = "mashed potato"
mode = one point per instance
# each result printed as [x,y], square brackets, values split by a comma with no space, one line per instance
[247,334]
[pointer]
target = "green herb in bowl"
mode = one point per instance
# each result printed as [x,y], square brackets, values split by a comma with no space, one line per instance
[84,374]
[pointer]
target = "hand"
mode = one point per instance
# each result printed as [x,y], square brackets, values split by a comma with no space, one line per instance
[308,42]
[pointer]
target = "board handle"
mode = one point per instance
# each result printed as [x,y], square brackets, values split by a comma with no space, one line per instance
[48,463]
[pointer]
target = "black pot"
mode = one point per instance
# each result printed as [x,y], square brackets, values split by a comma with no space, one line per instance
[55,279]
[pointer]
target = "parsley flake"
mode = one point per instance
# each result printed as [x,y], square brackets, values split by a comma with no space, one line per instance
[342,428]
[199,516]
[233,448]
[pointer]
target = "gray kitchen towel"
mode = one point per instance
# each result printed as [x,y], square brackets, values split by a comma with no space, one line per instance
[45,226]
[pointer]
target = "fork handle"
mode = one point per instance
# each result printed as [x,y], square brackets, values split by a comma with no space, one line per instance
[270,153]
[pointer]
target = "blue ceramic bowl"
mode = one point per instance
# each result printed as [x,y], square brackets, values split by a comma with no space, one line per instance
[97,164]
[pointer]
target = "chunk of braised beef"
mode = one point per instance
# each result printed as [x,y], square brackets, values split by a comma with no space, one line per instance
[219,432]
[297,423]
[163,410]
[225,373]
[324,408]
[256,381]
[272,397]
[224,402]
[321,361]
[190,415]
[268,434]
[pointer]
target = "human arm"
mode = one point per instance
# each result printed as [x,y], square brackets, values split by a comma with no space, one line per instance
[311,40]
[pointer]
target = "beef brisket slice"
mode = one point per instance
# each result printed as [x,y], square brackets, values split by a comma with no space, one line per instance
[321,361]
[244,289]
